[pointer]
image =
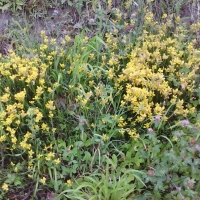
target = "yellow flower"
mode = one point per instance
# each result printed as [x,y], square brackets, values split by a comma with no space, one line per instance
[31,102]
[14,140]
[27,135]
[5,187]
[69,183]
[42,33]
[30,165]
[50,114]
[43,47]
[57,161]
[5,98]
[44,127]
[30,175]
[39,91]
[43,180]
[49,156]
[25,145]
[39,156]
[2,115]
[67,38]
[53,41]
[84,102]
[41,81]
[135,137]
[20,95]
[62,65]
[91,56]
[30,153]
[92,125]
[7,89]
[2,138]
[121,122]
[17,122]
[122,132]
[105,137]
[11,109]
[85,39]
[16,169]
[164,16]
[38,117]
[11,130]
[50,105]
[8,121]
[49,90]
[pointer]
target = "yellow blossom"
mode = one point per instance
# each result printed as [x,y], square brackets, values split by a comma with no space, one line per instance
[85,39]
[38,117]
[42,33]
[67,38]
[69,183]
[50,114]
[49,90]
[5,98]
[25,145]
[122,132]
[49,156]
[20,96]
[2,138]
[164,16]
[39,156]
[105,137]
[30,154]
[50,105]
[16,169]
[5,187]
[43,180]
[57,161]
[14,140]
[39,92]
[44,127]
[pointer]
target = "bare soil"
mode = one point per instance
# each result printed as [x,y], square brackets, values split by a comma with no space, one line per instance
[63,20]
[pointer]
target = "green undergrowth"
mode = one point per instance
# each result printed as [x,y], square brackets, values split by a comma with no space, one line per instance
[114,116]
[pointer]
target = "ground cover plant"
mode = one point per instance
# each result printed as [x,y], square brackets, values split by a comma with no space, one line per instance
[108,112]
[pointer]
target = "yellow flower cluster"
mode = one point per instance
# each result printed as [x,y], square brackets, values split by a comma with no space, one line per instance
[22,106]
[159,73]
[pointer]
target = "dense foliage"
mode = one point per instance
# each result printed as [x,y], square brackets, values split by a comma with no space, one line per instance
[107,117]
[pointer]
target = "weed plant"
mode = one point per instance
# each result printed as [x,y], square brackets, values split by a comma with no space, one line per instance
[114,116]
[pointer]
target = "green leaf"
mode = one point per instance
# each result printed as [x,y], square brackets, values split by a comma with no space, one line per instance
[89,142]
[17,181]
[157,194]
[114,158]
[138,160]
[18,2]
[68,2]
[61,143]
[87,156]
[5,7]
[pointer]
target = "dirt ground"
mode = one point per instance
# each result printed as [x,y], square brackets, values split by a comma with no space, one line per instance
[61,21]
[56,23]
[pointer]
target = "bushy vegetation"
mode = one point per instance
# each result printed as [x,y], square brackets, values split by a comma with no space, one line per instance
[112,115]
